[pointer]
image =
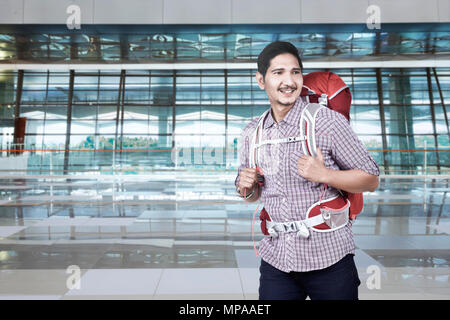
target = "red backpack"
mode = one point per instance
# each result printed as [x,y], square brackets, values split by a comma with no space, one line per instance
[329,90]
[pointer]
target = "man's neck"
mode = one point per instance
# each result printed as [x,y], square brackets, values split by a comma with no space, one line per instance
[279,112]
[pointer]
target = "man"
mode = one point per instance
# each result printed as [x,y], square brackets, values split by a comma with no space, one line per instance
[320,266]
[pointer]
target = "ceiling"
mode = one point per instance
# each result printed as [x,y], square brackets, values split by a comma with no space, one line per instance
[217,43]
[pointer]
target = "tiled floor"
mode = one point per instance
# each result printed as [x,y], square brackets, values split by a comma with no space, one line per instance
[165,237]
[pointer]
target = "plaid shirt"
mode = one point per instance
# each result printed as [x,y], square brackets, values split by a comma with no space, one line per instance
[286,195]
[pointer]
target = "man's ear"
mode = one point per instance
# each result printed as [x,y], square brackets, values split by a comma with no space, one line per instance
[260,80]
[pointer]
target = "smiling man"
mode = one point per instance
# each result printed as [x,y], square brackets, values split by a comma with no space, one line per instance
[319,265]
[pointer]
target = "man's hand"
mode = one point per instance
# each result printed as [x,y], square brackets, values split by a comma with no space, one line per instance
[247,180]
[354,180]
[312,169]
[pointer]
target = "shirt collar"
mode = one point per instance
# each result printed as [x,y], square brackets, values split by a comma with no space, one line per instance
[292,118]
[270,121]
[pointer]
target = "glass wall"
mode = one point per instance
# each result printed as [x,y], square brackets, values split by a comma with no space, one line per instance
[134,121]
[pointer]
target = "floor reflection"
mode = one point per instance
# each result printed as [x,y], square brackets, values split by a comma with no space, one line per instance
[197,222]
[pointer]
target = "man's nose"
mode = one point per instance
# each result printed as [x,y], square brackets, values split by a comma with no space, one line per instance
[288,80]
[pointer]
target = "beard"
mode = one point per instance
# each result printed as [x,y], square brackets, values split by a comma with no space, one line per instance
[286,104]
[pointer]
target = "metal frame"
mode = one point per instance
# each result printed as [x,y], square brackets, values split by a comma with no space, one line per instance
[382,119]
[225,74]
[433,118]
[18,94]
[442,101]
[45,116]
[174,102]
[119,113]
[122,112]
[17,144]
[69,122]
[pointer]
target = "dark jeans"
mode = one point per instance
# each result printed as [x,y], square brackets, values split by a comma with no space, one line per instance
[339,281]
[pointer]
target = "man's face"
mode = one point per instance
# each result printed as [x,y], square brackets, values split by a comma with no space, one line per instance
[283,81]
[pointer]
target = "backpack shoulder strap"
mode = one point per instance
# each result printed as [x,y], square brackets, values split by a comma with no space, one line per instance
[308,128]
[256,139]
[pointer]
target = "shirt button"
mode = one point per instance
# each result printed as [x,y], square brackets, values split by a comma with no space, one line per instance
[284,200]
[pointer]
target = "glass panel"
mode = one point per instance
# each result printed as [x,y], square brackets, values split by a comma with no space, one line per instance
[54,141]
[82,141]
[82,127]
[8,83]
[85,95]
[441,127]
[84,112]
[135,127]
[106,127]
[136,112]
[443,142]
[213,113]
[423,126]
[53,126]
[366,127]
[364,113]
[107,112]
[56,112]
[32,112]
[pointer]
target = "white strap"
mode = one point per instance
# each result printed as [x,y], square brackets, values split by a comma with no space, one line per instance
[307,131]
[308,128]
[337,92]
[283,140]
[309,222]
[293,226]
[323,100]
[256,139]
[251,152]
[310,91]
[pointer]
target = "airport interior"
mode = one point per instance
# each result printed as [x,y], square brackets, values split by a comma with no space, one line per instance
[120,126]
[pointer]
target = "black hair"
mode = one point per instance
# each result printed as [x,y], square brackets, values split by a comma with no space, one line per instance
[274,49]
